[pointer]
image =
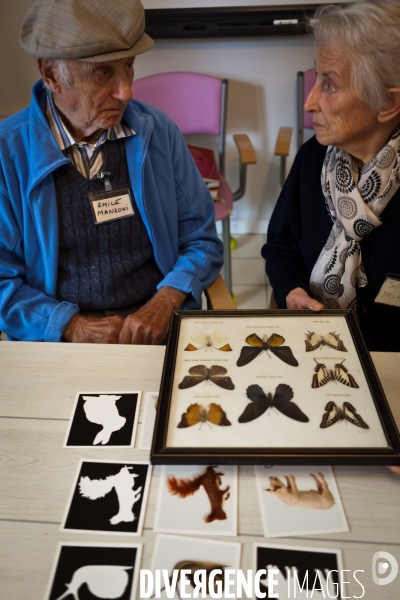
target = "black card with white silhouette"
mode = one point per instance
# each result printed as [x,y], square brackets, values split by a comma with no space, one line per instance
[103,419]
[108,497]
[88,571]
[299,572]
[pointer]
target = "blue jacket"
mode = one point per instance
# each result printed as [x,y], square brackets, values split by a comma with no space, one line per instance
[174,203]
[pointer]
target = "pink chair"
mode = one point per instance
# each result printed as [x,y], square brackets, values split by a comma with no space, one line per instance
[305,82]
[197,104]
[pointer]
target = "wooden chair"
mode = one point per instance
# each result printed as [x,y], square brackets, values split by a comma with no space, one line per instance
[218,296]
[305,82]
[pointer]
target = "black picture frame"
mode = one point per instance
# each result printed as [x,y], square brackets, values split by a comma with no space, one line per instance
[161,453]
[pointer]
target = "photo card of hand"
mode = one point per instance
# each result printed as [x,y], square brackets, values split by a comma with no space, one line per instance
[273,344]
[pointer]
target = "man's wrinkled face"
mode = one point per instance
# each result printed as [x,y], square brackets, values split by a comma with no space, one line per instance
[340,117]
[97,97]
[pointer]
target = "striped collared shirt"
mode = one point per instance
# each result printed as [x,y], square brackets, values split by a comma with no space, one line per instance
[87,158]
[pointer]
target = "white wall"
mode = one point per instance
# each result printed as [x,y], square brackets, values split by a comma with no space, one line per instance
[262,80]
[262,90]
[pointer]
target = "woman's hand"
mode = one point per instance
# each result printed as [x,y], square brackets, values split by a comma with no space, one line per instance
[298,298]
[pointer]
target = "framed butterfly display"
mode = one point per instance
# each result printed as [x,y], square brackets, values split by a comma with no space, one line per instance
[271,387]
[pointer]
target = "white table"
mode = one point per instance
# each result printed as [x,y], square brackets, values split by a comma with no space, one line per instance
[38,384]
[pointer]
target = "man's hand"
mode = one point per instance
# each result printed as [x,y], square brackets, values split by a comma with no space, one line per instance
[298,298]
[149,325]
[93,330]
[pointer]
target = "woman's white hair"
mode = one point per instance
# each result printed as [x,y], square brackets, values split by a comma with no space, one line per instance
[370,33]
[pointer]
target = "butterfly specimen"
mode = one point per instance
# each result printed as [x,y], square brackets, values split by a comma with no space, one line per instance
[314,341]
[195,413]
[334,413]
[215,340]
[200,373]
[323,375]
[260,402]
[258,345]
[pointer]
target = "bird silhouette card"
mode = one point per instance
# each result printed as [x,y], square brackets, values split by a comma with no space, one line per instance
[103,419]
[199,500]
[299,572]
[174,553]
[146,429]
[299,500]
[85,571]
[241,386]
[108,497]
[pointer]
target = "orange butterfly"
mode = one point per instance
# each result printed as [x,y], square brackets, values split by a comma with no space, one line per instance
[215,340]
[272,344]
[195,413]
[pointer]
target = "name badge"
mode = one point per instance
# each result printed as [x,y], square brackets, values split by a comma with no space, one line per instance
[109,206]
[390,291]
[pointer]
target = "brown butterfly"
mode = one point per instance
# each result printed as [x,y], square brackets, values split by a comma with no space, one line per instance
[200,373]
[323,375]
[334,413]
[314,341]
[258,345]
[215,340]
[195,413]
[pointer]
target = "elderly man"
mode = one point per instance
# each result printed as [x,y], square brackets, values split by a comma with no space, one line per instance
[106,225]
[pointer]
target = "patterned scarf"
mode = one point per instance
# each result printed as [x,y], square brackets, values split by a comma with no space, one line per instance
[354,201]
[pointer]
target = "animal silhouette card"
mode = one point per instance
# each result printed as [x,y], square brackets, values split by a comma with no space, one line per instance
[84,570]
[268,387]
[300,572]
[108,497]
[198,500]
[299,500]
[172,552]
[146,429]
[103,419]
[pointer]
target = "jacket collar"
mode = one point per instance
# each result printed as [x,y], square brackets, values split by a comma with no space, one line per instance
[45,154]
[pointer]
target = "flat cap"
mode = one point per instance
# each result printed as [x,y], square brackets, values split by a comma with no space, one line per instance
[90,30]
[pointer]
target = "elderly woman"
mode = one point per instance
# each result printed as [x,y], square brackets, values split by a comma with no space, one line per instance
[334,236]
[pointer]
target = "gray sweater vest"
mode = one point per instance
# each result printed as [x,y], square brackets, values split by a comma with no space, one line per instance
[105,266]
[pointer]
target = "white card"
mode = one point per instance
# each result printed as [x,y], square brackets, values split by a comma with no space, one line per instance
[109,209]
[299,501]
[390,291]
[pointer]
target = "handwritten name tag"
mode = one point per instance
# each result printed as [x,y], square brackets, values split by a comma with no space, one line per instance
[109,206]
[390,291]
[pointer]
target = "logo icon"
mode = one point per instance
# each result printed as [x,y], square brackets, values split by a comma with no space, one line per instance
[380,566]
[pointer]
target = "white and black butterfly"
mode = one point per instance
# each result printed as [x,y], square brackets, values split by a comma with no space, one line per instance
[323,375]
[314,341]
[215,340]
[333,413]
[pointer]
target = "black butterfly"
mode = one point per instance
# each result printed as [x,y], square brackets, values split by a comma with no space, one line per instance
[281,400]
[200,373]
[258,345]
[323,375]
[334,413]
